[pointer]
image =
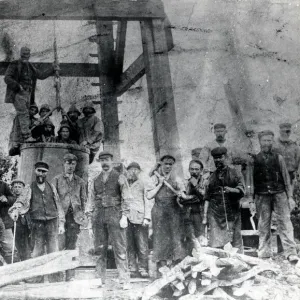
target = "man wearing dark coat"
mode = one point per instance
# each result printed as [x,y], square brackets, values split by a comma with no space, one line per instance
[21,77]
[225,188]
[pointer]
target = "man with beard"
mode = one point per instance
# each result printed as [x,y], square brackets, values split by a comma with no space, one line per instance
[64,135]
[47,133]
[71,119]
[167,217]
[91,130]
[273,192]
[225,189]
[194,205]
[72,194]
[46,214]
[139,216]
[21,77]
[108,207]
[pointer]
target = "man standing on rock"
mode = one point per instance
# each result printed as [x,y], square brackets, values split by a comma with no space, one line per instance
[108,207]
[167,216]
[273,192]
[72,194]
[46,213]
[225,188]
[21,77]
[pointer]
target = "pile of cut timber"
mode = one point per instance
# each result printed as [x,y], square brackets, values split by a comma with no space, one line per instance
[217,274]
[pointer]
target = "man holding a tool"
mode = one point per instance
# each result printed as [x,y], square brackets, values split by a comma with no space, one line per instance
[225,188]
[273,192]
[167,215]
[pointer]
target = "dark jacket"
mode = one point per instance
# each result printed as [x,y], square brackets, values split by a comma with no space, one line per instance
[5,190]
[12,79]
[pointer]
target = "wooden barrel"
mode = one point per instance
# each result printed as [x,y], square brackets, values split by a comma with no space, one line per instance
[52,154]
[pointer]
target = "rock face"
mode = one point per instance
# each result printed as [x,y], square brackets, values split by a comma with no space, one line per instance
[253,45]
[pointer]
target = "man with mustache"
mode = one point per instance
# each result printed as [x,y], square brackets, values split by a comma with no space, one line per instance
[107,208]
[21,77]
[225,188]
[273,192]
[46,213]
[72,120]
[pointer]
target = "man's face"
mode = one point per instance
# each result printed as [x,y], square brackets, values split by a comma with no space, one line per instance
[106,162]
[167,165]
[88,111]
[285,133]
[25,55]
[32,111]
[43,112]
[65,133]
[48,128]
[133,173]
[220,161]
[41,175]
[17,188]
[220,134]
[73,115]
[266,143]
[70,166]
[195,170]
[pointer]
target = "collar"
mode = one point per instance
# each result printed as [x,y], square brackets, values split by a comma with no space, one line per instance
[71,176]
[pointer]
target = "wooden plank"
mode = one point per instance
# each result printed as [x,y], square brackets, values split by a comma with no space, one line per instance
[106,60]
[43,265]
[134,72]
[120,47]
[169,35]
[67,69]
[81,10]
[160,92]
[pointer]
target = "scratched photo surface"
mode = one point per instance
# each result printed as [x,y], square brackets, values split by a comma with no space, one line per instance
[158,75]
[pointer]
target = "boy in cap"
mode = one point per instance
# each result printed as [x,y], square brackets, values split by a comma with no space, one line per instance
[225,188]
[167,217]
[21,77]
[90,129]
[107,207]
[46,213]
[273,192]
[72,194]
[139,216]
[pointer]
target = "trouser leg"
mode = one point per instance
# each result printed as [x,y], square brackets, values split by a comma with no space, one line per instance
[264,211]
[237,241]
[7,246]
[131,247]
[141,234]
[284,225]
[23,241]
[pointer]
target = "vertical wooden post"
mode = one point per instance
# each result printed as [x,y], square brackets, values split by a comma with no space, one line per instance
[160,91]
[106,60]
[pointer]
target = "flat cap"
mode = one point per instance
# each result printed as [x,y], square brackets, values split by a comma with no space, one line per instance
[196,151]
[70,157]
[219,125]
[265,132]
[105,153]
[218,151]
[41,165]
[134,165]
[285,125]
[167,156]
[18,181]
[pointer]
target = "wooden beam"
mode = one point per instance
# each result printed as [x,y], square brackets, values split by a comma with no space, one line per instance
[108,97]
[42,265]
[120,47]
[67,69]
[81,10]
[134,72]
[169,35]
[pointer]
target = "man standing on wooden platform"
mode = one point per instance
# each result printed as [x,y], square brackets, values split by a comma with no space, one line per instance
[167,216]
[273,192]
[72,194]
[139,216]
[225,188]
[46,213]
[21,77]
[108,207]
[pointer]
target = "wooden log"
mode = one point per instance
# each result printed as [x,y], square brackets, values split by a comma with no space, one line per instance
[43,265]
[235,264]
[192,286]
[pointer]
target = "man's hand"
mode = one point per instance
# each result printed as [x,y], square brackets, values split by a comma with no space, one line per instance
[146,222]
[61,228]
[3,199]
[252,208]
[14,214]
[292,203]
[182,195]
[84,143]
[124,222]
[228,189]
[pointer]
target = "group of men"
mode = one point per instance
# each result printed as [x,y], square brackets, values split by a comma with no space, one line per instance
[21,77]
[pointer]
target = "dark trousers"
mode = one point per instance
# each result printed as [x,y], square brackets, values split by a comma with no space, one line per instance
[23,240]
[106,228]
[45,233]
[137,241]
[68,240]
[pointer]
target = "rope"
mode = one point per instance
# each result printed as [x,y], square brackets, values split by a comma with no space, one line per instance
[57,82]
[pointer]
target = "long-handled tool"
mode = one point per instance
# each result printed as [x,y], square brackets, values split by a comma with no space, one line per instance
[14,242]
